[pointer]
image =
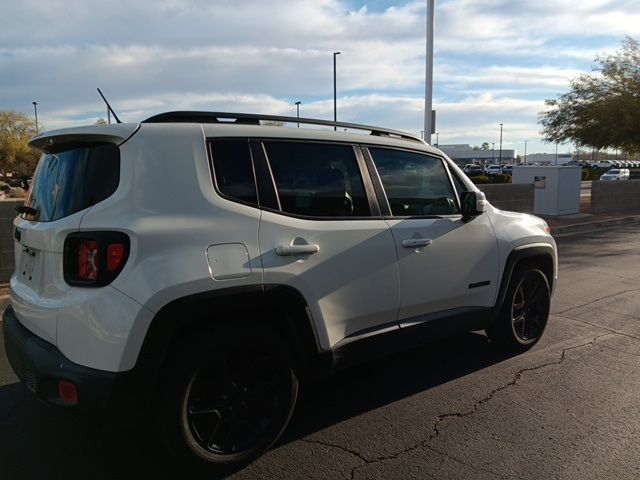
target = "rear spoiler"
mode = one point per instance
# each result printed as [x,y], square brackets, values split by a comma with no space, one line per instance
[56,139]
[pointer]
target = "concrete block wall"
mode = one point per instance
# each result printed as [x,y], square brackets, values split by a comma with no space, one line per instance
[7,214]
[615,196]
[509,196]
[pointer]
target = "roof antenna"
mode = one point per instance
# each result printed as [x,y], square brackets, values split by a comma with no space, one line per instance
[109,107]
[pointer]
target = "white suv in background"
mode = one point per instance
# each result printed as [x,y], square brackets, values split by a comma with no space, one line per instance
[199,265]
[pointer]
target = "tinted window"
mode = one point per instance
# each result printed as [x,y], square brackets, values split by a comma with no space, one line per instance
[415,184]
[233,170]
[319,180]
[73,179]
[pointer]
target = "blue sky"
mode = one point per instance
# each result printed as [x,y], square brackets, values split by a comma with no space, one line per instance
[496,61]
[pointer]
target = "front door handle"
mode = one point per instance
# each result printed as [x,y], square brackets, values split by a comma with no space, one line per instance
[416,242]
[296,249]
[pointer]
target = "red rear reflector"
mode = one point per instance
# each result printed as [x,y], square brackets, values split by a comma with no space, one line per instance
[115,256]
[88,260]
[68,392]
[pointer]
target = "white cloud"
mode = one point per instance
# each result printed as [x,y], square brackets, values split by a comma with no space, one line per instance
[496,60]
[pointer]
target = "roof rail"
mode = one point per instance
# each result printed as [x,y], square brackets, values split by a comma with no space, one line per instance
[255,119]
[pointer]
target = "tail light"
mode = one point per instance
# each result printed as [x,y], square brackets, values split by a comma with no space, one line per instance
[94,259]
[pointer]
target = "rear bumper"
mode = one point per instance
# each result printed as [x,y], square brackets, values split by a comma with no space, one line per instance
[40,366]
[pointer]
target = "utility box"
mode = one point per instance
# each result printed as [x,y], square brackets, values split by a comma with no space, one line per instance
[556,189]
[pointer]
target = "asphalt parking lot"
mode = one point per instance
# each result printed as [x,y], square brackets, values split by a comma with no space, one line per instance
[453,409]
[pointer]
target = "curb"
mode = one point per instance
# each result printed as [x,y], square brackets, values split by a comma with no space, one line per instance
[588,227]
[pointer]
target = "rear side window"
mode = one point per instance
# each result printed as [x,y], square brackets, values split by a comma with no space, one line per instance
[73,179]
[415,184]
[317,180]
[233,170]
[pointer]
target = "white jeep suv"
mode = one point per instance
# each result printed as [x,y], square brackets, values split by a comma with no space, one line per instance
[200,265]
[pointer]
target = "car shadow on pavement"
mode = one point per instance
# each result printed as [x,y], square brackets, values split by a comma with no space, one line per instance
[38,441]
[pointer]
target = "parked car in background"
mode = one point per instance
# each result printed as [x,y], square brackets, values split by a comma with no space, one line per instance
[603,164]
[508,169]
[616,174]
[473,170]
[492,170]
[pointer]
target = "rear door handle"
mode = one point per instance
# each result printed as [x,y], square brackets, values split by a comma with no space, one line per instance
[296,249]
[416,242]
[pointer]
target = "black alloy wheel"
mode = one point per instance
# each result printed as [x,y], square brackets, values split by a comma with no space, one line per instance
[236,402]
[525,312]
[229,397]
[530,307]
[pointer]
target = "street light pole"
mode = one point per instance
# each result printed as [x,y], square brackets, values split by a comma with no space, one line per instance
[438,139]
[525,151]
[298,111]
[556,154]
[500,155]
[428,84]
[35,111]
[335,101]
[493,152]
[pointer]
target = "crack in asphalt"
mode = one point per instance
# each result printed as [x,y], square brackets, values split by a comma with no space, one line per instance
[596,300]
[602,327]
[464,414]
[370,461]
[621,351]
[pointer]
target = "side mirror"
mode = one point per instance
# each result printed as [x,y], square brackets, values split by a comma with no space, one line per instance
[473,203]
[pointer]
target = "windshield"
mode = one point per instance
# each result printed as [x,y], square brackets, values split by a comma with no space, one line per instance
[71,180]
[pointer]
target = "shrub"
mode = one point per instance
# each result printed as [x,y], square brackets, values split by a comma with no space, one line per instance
[586,175]
[480,179]
[502,178]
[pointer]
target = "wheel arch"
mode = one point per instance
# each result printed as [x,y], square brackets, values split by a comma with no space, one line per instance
[282,306]
[540,255]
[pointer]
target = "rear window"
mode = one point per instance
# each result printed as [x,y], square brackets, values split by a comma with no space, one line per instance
[73,179]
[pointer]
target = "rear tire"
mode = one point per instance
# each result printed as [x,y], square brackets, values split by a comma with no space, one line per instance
[228,397]
[525,311]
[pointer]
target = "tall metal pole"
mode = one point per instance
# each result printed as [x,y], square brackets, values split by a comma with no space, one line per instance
[35,111]
[525,151]
[298,111]
[437,139]
[428,87]
[556,154]
[500,155]
[335,101]
[493,152]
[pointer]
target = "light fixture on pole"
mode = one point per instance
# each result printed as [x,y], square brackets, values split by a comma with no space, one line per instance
[525,151]
[35,111]
[335,101]
[500,154]
[297,104]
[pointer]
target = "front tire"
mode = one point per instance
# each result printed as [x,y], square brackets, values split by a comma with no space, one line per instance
[525,312]
[229,396]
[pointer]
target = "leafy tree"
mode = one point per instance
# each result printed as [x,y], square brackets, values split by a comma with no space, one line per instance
[15,154]
[602,109]
[101,121]
[485,146]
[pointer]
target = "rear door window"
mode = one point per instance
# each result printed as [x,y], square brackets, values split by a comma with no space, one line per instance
[73,179]
[317,180]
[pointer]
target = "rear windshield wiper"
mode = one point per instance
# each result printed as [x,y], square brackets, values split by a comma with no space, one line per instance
[28,210]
